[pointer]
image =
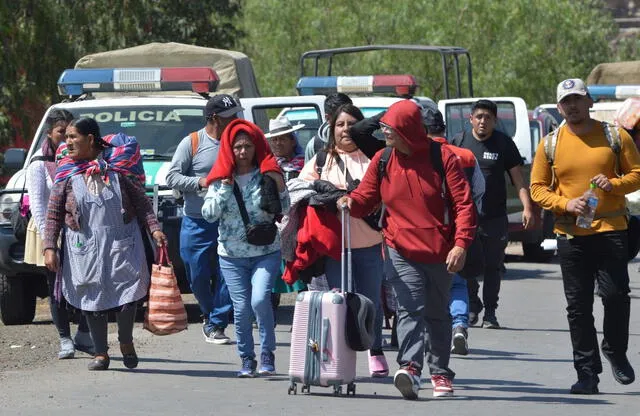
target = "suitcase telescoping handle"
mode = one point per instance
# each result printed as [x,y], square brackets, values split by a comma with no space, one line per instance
[347,273]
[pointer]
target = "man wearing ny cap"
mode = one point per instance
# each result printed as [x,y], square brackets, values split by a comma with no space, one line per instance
[190,166]
[583,155]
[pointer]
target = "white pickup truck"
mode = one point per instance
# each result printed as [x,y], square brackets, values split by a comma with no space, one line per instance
[156,105]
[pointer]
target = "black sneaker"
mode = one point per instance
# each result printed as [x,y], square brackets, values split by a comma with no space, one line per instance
[586,385]
[267,364]
[248,369]
[460,345]
[473,318]
[622,370]
[490,321]
[215,336]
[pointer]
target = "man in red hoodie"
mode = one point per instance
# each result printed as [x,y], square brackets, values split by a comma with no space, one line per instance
[425,245]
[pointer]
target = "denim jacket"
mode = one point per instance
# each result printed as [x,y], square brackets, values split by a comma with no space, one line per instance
[220,205]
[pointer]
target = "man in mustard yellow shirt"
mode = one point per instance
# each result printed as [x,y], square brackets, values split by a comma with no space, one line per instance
[583,155]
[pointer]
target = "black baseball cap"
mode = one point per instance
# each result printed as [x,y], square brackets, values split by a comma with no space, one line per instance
[222,105]
[433,119]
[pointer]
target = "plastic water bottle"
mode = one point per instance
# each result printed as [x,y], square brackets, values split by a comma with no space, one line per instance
[584,221]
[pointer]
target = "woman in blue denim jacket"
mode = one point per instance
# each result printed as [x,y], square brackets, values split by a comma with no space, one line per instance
[249,270]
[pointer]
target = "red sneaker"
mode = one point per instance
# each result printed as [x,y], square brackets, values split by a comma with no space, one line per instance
[442,386]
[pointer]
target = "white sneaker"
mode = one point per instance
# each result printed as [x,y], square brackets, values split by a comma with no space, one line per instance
[407,383]
[67,350]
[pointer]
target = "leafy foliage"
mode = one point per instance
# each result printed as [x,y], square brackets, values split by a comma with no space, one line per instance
[40,38]
[519,47]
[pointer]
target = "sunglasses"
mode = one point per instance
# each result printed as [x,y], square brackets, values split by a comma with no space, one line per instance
[384,126]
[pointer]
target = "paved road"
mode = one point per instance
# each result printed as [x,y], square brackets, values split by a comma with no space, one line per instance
[525,368]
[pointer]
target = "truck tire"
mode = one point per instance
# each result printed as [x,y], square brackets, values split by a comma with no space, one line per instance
[17,301]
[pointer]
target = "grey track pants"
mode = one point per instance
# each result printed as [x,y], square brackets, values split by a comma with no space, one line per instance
[422,293]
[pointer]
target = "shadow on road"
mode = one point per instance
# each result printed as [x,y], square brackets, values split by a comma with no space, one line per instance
[181,372]
[536,392]
[515,273]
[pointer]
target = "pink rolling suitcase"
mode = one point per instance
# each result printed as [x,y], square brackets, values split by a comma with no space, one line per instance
[320,355]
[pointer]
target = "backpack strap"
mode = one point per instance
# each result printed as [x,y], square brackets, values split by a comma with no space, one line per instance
[321,159]
[382,172]
[435,153]
[382,163]
[550,143]
[611,132]
[195,142]
[318,144]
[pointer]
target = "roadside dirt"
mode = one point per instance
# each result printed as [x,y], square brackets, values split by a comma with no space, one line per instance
[24,347]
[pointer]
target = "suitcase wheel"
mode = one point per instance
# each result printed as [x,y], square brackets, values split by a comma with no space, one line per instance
[306,388]
[293,388]
[351,389]
[337,390]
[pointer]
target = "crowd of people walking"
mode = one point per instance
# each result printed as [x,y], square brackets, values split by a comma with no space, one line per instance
[428,216]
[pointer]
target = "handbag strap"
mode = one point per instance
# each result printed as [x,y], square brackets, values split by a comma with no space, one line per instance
[344,170]
[163,256]
[243,209]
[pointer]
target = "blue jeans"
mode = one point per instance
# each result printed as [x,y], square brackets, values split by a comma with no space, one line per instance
[459,302]
[250,280]
[198,249]
[367,267]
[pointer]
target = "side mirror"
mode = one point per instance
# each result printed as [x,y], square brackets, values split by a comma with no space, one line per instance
[14,159]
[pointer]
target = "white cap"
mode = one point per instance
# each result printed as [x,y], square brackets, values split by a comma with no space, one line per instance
[569,87]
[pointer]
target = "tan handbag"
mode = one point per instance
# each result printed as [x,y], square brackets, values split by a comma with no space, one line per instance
[166,313]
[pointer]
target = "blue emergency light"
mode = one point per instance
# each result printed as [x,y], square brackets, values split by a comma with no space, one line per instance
[613,92]
[400,85]
[74,82]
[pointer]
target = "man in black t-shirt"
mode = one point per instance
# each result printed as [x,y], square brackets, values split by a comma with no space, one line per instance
[496,153]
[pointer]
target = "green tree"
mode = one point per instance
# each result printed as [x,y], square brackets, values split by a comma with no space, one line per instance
[40,38]
[518,47]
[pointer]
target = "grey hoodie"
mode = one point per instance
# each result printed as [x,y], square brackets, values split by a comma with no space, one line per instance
[322,134]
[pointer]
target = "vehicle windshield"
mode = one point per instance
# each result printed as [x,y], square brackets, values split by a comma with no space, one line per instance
[157,129]
[457,116]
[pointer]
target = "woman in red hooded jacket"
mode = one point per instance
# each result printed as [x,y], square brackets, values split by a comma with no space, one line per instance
[241,175]
[424,248]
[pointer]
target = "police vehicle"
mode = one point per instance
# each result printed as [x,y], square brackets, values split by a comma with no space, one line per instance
[159,106]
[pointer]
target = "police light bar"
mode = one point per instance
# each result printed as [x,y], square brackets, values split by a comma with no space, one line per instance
[80,81]
[401,85]
[613,92]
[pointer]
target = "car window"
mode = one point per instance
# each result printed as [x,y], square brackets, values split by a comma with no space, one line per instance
[555,113]
[536,134]
[157,129]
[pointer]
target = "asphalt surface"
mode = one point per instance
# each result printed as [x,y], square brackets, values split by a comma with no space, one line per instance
[524,368]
